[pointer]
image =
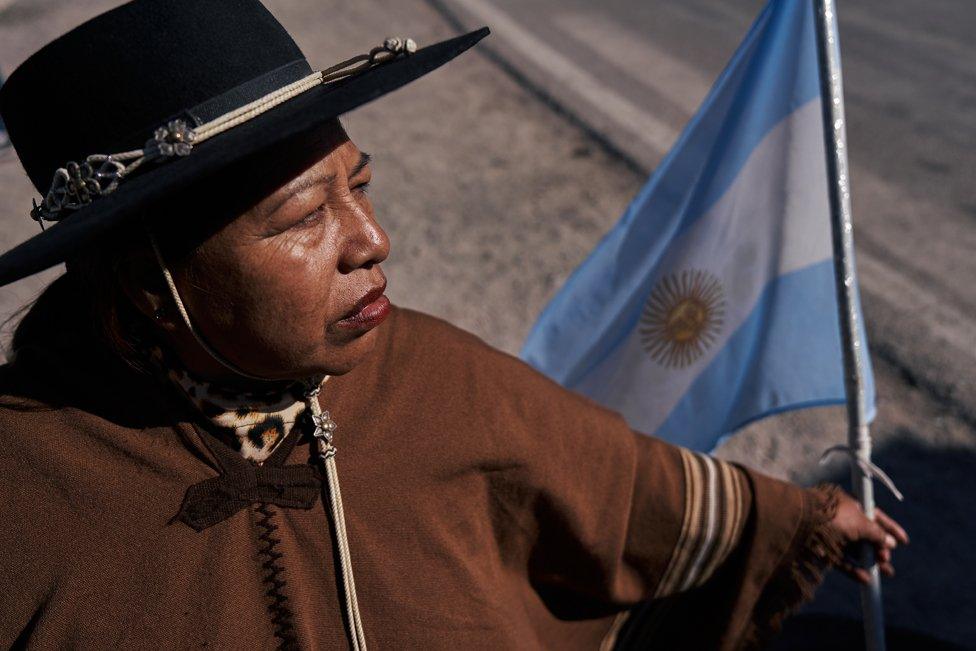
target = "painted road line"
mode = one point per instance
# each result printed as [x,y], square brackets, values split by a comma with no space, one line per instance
[670,77]
[647,129]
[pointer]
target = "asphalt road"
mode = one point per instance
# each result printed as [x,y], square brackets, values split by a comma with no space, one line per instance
[494,180]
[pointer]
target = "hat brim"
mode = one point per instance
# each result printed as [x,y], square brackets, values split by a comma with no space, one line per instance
[292,118]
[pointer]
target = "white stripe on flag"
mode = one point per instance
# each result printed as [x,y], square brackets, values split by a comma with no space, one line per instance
[772,220]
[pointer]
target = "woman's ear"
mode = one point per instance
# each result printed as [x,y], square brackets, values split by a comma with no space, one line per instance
[142,282]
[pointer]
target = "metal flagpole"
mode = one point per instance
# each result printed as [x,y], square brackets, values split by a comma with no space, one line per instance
[859,436]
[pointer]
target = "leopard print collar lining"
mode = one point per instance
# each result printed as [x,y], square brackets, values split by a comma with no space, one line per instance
[251,422]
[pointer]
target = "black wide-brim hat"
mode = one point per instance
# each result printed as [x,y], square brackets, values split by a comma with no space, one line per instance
[139,103]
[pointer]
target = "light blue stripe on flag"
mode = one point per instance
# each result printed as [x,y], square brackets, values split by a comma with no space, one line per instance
[711,303]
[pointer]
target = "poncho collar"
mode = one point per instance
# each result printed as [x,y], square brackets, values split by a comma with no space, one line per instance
[242,427]
[252,421]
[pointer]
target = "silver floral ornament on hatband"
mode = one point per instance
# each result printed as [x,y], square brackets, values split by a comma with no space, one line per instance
[77,185]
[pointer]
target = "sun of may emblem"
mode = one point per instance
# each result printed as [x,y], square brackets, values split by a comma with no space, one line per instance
[682,318]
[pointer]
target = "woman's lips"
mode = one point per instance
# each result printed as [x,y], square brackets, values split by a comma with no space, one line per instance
[369,312]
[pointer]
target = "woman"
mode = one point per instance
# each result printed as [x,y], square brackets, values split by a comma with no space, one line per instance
[180,400]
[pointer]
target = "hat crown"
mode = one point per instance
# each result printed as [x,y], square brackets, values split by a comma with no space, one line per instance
[105,86]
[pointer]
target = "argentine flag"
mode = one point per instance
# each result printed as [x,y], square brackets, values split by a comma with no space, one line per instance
[712,302]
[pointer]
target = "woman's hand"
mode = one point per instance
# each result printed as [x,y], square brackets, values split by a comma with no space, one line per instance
[855,527]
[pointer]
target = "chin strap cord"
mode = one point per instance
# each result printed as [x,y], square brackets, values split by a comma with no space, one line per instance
[325,428]
[185,315]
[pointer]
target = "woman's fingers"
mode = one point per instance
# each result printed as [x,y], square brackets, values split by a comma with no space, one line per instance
[862,575]
[875,534]
[859,574]
[887,569]
[882,533]
[891,526]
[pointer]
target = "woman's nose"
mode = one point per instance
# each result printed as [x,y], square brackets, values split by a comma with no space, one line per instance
[367,243]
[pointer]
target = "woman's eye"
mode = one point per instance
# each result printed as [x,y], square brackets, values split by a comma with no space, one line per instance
[313,216]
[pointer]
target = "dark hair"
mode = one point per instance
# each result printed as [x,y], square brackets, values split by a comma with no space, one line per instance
[89,299]
[86,300]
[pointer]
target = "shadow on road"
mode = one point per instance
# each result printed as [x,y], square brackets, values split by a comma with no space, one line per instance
[820,632]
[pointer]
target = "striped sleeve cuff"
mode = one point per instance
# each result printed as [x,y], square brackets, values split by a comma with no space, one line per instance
[715,510]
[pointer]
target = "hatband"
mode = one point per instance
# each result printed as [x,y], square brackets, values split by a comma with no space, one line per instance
[77,185]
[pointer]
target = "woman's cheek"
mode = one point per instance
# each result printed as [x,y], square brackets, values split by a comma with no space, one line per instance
[292,262]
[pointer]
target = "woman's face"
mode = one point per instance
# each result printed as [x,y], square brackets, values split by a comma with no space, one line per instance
[292,287]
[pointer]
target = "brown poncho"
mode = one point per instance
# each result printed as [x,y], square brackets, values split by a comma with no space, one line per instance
[487,508]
